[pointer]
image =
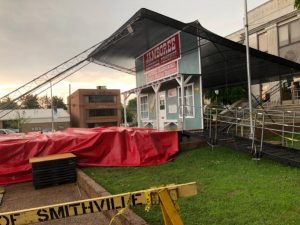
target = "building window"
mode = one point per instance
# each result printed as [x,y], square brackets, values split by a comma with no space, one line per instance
[289,33]
[101,99]
[144,107]
[102,112]
[188,101]
[295,31]
[36,128]
[60,127]
[283,35]
[263,42]
[93,125]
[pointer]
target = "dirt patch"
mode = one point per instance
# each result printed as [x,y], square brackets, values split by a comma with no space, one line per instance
[236,192]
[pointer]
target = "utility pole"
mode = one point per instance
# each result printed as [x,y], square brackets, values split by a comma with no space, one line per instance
[248,71]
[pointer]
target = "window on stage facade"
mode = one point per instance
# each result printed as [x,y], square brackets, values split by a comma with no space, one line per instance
[189,109]
[144,107]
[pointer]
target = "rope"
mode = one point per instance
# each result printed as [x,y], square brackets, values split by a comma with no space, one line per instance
[288,138]
[121,211]
[148,200]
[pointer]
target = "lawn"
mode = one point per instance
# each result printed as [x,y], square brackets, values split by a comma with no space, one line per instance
[288,140]
[233,189]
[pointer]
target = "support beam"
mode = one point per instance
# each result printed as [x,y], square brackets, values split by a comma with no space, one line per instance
[169,211]
[248,73]
[182,82]
[182,103]
[200,85]
[138,107]
[187,79]
[126,96]
[201,102]
[156,88]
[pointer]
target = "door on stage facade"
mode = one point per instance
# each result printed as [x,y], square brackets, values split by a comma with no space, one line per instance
[162,109]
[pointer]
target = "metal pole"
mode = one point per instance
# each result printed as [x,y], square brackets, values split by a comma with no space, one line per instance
[200,85]
[201,102]
[210,122]
[216,128]
[52,113]
[262,132]
[236,121]
[253,139]
[242,122]
[293,129]
[248,71]
[283,121]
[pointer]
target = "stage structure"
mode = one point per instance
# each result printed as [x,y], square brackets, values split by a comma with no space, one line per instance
[170,59]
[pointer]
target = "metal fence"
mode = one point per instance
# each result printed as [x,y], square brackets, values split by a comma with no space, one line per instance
[279,127]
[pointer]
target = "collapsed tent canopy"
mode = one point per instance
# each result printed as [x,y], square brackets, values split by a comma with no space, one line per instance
[223,61]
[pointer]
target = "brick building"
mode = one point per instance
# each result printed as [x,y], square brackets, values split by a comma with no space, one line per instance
[95,107]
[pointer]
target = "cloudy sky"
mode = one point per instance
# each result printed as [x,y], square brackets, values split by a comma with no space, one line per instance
[37,35]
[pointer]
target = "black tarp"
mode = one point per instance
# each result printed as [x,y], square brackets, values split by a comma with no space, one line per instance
[223,61]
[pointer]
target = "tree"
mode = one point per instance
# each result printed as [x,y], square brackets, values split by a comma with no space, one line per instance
[45,102]
[130,111]
[297,4]
[132,104]
[227,95]
[30,102]
[129,115]
[58,102]
[8,104]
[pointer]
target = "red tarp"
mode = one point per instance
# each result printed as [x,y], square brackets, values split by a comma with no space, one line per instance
[111,146]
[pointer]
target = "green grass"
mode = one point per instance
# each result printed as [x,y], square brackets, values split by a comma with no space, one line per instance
[233,189]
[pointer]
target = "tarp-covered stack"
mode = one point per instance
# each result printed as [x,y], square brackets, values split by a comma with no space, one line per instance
[112,146]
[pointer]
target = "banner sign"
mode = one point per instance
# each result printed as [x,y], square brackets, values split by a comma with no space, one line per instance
[172,92]
[120,201]
[70,209]
[161,72]
[166,51]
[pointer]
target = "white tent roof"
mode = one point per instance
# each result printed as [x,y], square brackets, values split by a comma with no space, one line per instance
[36,115]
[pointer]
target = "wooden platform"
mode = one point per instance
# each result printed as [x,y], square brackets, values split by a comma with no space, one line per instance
[51,157]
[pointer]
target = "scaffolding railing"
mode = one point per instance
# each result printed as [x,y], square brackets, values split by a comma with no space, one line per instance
[284,130]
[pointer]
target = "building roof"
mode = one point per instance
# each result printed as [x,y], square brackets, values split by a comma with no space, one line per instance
[36,115]
[223,61]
